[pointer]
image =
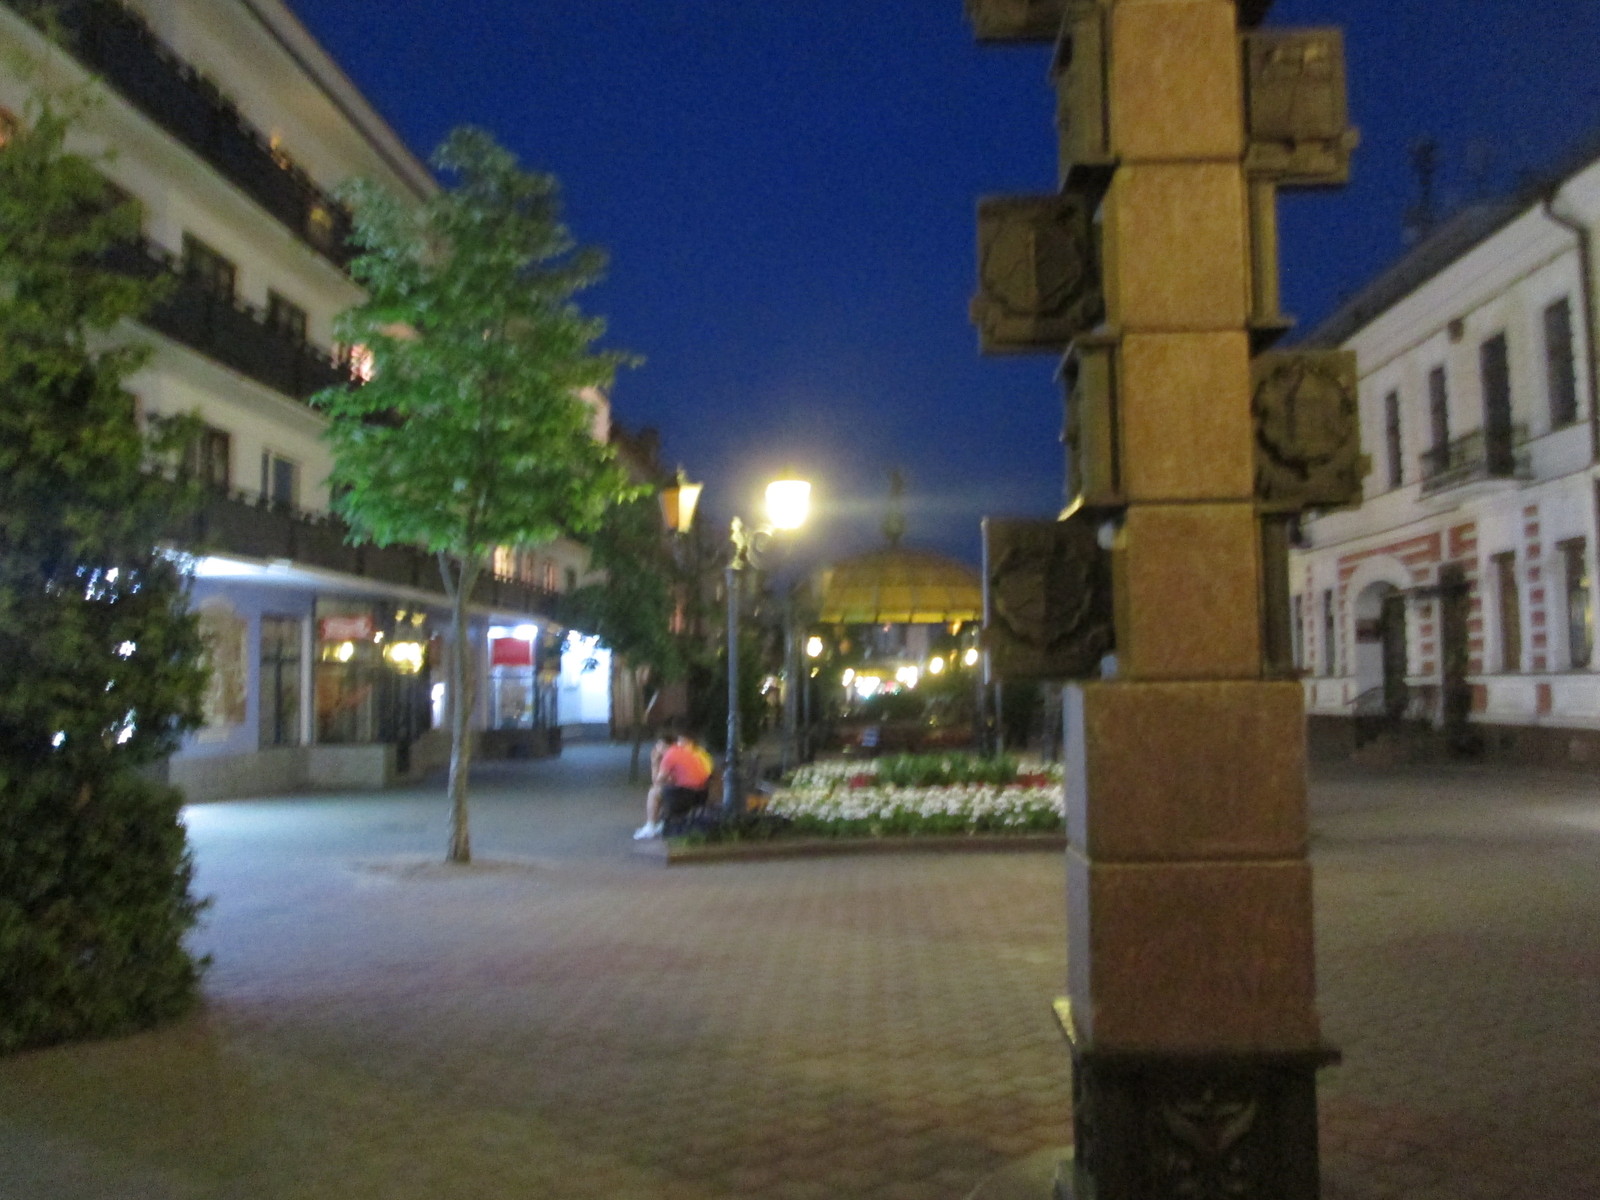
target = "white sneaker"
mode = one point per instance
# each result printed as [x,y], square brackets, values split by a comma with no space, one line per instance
[647,831]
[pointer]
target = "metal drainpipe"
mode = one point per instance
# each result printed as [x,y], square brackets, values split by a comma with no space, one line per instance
[1591,359]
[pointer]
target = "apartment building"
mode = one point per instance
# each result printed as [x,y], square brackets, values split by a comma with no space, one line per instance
[1460,592]
[231,128]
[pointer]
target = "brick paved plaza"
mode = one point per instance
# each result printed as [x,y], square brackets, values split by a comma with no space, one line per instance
[567,1019]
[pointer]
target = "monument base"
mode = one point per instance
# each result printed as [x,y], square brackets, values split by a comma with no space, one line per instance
[1152,1125]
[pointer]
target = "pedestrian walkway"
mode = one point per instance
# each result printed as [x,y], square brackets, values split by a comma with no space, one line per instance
[567,1019]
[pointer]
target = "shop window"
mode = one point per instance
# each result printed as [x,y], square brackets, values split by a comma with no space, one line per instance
[209,460]
[204,266]
[280,480]
[1580,603]
[281,674]
[1505,575]
[285,318]
[1559,374]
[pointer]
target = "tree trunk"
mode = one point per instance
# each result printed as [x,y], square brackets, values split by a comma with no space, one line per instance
[641,720]
[462,700]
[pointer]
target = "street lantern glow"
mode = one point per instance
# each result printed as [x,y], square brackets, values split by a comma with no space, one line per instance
[936,666]
[813,647]
[971,657]
[678,501]
[788,503]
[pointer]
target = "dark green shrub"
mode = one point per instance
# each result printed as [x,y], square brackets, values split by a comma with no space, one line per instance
[100,667]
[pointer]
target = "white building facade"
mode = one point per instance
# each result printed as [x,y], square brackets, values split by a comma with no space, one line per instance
[231,128]
[1461,591]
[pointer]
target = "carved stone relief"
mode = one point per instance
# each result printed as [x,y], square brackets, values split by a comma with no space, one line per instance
[1016,20]
[1047,598]
[1038,273]
[1308,431]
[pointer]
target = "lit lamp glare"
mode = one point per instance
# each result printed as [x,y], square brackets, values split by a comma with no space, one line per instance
[936,666]
[971,657]
[813,647]
[788,503]
[405,657]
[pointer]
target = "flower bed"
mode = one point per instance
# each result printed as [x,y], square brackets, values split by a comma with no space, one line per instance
[922,794]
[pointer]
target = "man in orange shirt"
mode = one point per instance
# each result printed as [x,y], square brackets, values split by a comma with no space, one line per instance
[682,772]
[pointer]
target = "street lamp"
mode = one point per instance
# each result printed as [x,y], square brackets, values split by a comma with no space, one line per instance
[788,504]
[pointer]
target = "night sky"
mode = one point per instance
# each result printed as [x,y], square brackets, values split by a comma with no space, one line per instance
[787,191]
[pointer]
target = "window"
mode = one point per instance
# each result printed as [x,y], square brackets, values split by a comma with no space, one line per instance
[1297,631]
[1580,603]
[204,266]
[209,460]
[280,480]
[1505,574]
[1439,418]
[1494,365]
[1559,375]
[1329,666]
[549,576]
[1391,433]
[280,681]
[285,318]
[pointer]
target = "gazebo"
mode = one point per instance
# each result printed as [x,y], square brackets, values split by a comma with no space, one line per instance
[897,586]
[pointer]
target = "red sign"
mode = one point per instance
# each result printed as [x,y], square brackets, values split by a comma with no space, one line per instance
[348,627]
[510,652]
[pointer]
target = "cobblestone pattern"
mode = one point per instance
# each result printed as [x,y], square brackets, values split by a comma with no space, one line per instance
[564,1020]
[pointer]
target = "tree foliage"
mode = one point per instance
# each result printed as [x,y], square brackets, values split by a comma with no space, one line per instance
[472,433]
[631,608]
[100,663]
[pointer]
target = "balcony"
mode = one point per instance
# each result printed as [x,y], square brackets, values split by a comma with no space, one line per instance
[113,42]
[1476,458]
[228,330]
[240,524]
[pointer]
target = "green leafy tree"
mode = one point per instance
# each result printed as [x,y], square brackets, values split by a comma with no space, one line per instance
[631,609]
[100,663]
[472,433]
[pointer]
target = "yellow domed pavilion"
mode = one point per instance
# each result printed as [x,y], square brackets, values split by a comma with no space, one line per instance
[896,586]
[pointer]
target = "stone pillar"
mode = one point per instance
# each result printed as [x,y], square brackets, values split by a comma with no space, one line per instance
[1191,1000]
[1191,997]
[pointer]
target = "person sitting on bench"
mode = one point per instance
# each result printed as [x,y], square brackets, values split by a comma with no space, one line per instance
[682,772]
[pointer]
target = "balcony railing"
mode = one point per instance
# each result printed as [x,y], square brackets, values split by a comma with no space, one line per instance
[239,523]
[1475,457]
[227,329]
[113,42]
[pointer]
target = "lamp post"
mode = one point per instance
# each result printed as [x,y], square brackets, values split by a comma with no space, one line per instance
[788,503]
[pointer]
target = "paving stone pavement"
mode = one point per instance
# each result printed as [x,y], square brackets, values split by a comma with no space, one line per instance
[565,1019]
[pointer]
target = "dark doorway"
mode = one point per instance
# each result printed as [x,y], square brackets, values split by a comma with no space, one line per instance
[1392,633]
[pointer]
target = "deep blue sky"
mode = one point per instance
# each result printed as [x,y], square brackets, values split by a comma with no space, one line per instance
[787,191]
